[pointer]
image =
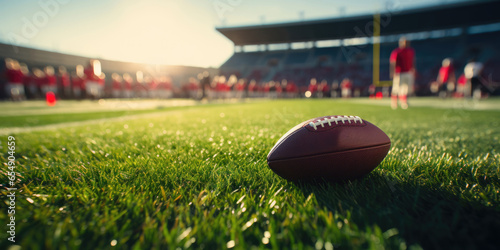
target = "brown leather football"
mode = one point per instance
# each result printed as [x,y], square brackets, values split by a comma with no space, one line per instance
[333,148]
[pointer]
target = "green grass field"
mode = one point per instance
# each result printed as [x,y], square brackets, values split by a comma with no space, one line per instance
[197,178]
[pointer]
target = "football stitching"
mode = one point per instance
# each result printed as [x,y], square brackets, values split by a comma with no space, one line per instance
[336,119]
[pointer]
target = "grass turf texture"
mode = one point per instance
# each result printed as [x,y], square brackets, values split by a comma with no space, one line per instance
[46,119]
[36,113]
[198,178]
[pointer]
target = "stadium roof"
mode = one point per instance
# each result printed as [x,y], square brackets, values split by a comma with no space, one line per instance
[408,21]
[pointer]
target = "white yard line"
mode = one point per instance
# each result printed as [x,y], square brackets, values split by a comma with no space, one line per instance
[18,130]
[153,104]
[467,104]
[85,106]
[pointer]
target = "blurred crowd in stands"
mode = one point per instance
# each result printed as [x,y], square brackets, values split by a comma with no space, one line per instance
[299,76]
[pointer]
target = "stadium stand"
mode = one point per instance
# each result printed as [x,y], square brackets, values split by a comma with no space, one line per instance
[435,34]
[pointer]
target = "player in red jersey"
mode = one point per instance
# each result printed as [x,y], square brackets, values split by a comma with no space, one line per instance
[50,83]
[461,86]
[15,77]
[446,78]
[146,85]
[220,87]
[253,89]
[230,91]
[334,93]
[279,89]
[402,71]
[127,86]
[292,91]
[168,87]
[94,80]
[273,89]
[102,84]
[323,89]
[164,88]
[38,81]
[472,71]
[240,88]
[64,82]
[137,87]
[153,86]
[346,88]
[28,81]
[116,86]
[78,82]
[194,88]
[313,87]
[139,90]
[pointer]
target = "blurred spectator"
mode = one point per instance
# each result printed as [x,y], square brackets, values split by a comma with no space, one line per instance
[402,72]
[346,86]
[472,72]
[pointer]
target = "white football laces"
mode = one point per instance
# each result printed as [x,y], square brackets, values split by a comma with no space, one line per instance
[329,120]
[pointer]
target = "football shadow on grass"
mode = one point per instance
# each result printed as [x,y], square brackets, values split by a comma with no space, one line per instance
[429,216]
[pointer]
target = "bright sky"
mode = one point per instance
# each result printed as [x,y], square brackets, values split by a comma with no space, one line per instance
[174,32]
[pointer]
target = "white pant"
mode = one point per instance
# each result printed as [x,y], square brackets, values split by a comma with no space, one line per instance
[14,89]
[116,93]
[346,92]
[77,92]
[402,84]
[94,89]
[49,88]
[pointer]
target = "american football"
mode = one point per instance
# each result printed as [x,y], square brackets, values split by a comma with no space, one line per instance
[333,148]
[188,124]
